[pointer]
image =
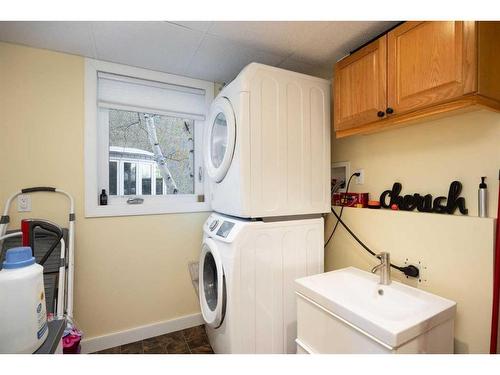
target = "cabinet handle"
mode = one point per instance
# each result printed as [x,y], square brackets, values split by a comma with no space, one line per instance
[389,111]
[380,113]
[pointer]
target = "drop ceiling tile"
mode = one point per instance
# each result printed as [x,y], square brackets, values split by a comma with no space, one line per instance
[338,39]
[189,48]
[69,37]
[322,71]
[153,45]
[275,36]
[220,60]
[194,25]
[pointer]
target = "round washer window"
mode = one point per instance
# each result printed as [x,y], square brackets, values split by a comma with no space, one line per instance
[210,281]
[218,143]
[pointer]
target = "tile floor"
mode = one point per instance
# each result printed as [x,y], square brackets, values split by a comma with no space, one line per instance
[188,341]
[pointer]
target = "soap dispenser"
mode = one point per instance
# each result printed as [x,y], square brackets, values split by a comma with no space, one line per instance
[482,199]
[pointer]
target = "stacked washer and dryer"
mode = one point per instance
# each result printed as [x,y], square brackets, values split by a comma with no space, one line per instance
[267,154]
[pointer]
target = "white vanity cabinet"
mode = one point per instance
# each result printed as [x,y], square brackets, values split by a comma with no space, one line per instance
[347,311]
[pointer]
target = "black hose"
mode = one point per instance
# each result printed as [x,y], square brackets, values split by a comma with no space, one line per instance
[342,209]
[353,235]
[409,270]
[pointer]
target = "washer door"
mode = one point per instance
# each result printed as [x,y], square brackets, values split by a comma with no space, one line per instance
[220,139]
[212,285]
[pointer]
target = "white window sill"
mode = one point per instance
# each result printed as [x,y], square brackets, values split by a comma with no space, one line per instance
[153,208]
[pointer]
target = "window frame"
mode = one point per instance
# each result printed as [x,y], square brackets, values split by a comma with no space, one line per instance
[97,152]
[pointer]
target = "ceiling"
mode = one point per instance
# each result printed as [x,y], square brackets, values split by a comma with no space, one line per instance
[214,51]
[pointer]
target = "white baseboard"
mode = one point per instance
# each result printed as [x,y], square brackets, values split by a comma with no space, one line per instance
[95,344]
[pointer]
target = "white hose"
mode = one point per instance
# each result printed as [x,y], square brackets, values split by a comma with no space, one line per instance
[71,258]
[4,236]
[3,227]
[62,279]
[15,234]
[71,270]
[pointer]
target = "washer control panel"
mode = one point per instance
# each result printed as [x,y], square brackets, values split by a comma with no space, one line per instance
[220,227]
[225,229]
[213,225]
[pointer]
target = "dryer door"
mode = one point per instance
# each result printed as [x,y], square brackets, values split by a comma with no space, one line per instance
[212,285]
[220,139]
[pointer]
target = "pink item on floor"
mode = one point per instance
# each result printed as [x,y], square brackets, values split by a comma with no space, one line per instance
[71,342]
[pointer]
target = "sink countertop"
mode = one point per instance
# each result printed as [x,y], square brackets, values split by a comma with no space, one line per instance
[392,314]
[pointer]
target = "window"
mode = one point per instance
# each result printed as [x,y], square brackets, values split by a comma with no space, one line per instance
[143,139]
[134,137]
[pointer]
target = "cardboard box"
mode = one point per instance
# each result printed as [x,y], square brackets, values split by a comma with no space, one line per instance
[350,199]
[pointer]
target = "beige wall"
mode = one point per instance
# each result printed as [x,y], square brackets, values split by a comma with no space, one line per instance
[458,251]
[427,157]
[130,271]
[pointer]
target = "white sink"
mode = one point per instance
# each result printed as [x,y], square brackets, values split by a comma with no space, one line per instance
[392,314]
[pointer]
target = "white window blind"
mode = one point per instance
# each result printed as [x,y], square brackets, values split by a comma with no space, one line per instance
[144,138]
[133,94]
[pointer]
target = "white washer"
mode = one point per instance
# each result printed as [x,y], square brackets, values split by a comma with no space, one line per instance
[246,280]
[267,144]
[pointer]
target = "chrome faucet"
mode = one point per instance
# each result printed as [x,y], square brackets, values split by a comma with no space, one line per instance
[384,267]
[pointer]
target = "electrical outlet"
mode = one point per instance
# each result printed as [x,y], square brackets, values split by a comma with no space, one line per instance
[23,203]
[422,277]
[422,269]
[360,180]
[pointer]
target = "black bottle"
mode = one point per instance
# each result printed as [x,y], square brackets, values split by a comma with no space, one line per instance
[103,198]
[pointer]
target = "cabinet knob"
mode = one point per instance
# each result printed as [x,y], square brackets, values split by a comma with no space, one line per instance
[389,110]
[380,113]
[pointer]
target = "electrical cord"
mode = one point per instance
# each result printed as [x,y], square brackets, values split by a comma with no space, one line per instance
[342,208]
[409,270]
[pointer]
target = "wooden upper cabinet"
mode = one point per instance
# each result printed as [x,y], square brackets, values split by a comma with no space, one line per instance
[429,62]
[360,86]
[418,71]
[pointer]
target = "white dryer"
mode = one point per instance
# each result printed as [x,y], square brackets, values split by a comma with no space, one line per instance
[246,280]
[267,144]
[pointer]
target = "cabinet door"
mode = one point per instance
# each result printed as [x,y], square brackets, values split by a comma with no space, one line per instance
[360,86]
[429,62]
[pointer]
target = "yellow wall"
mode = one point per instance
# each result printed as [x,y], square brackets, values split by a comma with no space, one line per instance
[427,157]
[130,271]
[458,251]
